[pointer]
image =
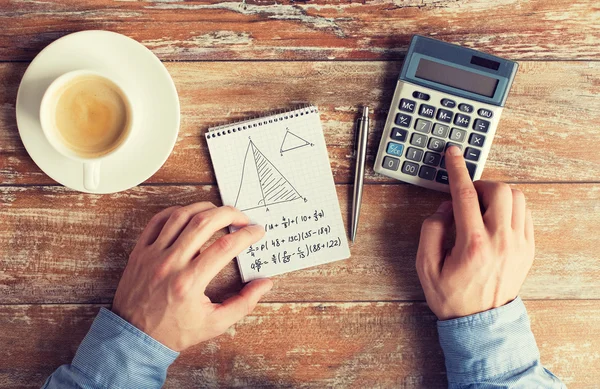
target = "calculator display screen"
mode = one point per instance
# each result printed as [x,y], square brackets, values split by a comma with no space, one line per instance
[456,78]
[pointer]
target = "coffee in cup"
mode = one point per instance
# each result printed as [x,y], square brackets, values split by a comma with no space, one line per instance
[86,116]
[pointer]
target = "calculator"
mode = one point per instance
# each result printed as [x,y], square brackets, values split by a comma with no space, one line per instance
[445,95]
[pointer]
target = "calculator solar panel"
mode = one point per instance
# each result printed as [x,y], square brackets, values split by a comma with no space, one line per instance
[445,95]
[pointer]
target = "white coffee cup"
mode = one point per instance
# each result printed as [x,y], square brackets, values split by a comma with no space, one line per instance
[91,165]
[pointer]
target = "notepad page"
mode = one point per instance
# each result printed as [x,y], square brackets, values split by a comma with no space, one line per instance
[276,170]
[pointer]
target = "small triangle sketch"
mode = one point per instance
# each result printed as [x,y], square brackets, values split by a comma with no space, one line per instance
[262,184]
[292,141]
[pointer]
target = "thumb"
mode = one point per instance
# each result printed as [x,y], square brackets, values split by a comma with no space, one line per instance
[430,254]
[237,307]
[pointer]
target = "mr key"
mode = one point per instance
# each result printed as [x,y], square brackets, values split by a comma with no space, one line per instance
[445,95]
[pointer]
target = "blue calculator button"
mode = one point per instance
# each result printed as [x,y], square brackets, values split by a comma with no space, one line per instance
[403,120]
[407,105]
[395,149]
[390,163]
[420,95]
[426,110]
[481,125]
[466,108]
[399,134]
[448,103]
[462,120]
[486,113]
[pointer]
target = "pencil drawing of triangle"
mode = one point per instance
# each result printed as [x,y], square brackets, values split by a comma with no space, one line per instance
[292,141]
[262,184]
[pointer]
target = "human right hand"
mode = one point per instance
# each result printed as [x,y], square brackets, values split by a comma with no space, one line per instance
[493,250]
[162,288]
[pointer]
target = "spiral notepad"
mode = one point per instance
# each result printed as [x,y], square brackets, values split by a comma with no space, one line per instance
[276,170]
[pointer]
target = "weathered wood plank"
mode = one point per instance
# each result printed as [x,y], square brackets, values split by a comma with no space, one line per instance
[60,246]
[217,30]
[309,345]
[550,115]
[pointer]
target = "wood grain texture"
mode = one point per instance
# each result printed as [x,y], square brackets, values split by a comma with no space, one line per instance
[217,30]
[308,345]
[550,117]
[57,246]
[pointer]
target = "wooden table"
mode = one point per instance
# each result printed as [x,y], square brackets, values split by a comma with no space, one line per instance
[355,323]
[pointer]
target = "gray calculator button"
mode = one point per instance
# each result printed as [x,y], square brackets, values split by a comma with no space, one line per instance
[410,168]
[440,130]
[403,120]
[390,163]
[427,110]
[423,126]
[398,134]
[472,154]
[418,140]
[444,115]
[407,105]
[414,154]
[476,140]
[481,125]
[458,135]
[420,95]
[465,108]
[486,113]
[462,120]
[432,159]
[436,144]
[427,173]
[448,103]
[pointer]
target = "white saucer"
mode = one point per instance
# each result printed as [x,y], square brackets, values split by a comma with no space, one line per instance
[140,72]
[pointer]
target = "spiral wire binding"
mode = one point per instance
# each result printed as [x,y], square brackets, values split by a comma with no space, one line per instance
[245,124]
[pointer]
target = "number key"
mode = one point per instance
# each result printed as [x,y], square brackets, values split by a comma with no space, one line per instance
[414,154]
[423,126]
[418,140]
[458,135]
[390,163]
[440,130]
[436,144]
[432,159]
[410,168]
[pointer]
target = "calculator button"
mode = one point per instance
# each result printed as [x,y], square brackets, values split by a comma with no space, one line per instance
[471,168]
[443,163]
[427,110]
[394,148]
[390,163]
[418,140]
[444,115]
[453,144]
[472,154]
[436,144]
[410,168]
[486,113]
[427,173]
[440,130]
[448,103]
[414,154]
[481,125]
[462,120]
[476,140]
[420,95]
[423,126]
[458,135]
[407,105]
[442,177]
[432,159]
[465,108]
[403,120]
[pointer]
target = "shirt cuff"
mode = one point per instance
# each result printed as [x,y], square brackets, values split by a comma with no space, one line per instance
[485,345]
[116,354]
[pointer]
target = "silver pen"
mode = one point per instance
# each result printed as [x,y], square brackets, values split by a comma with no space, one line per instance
[361,155]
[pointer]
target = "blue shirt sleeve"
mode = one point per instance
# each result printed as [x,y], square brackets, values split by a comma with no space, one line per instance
[116,355]
[494,349]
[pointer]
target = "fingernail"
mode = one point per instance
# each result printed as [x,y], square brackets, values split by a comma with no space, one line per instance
[257,227]
[454,151]
[444,207]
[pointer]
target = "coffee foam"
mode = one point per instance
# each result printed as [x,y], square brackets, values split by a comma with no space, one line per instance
[91,116]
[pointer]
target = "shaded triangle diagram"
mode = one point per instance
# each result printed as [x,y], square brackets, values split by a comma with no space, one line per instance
[262,184]
[292,141]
